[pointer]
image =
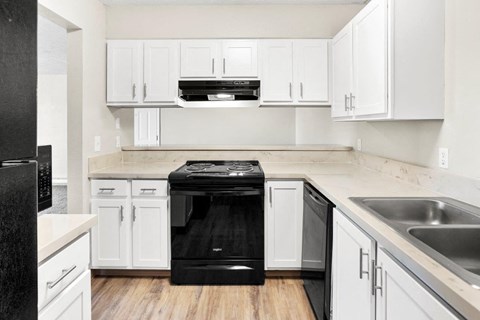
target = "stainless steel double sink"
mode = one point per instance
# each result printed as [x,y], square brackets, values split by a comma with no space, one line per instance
[446,229]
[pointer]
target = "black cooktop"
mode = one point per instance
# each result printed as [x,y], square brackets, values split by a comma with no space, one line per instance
[218,172]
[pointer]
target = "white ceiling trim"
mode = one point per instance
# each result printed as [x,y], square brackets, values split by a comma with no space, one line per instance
[227,2]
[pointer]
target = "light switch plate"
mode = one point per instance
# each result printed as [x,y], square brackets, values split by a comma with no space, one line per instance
[98,144]
[443,158]
[117,141]
[359,144]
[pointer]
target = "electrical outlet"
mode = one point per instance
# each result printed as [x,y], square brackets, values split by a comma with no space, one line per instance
[443,158]
[117,123]
[98,143]
[117,141]
[359,144]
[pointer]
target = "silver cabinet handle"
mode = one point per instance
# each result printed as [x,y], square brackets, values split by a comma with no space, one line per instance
[121,214]
[362,254]
[213,66]
[301,90]
[104,190]
[144,190]
[346,103]
[144,90]
[376,286]
[224,66]
[352,105]
[65,272]
[270,196]
[134,215]
[290,88]
[134,91]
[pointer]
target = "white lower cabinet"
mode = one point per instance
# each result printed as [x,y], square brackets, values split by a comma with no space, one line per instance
[150,236]
[133,231]
[74,303]
[284,223]
[64,283]
[352,255]
[400,296]
[368,284]
[109,236]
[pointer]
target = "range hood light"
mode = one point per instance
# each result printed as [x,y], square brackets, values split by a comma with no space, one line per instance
[221,97]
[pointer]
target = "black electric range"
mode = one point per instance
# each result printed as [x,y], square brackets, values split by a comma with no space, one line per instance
[217,221]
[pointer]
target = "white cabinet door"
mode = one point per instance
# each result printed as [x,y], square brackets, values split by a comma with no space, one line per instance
[124,61]
[402,297]
[277,71]
[284,224]
[342,73]
[370,64]
[146,126]
[239,59]
[150,233]
[311,65]
[352,256]
[199,58]
[74,303]
[109,236]
[160,71]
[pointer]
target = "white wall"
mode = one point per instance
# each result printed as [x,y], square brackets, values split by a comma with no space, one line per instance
[418,142]
[254,126]
[88,115]
[228,126]
[52,94]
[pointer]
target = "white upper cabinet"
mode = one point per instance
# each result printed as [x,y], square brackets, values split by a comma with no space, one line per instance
[342,72]
[312,68]
[146,126]
[295,72]
[199,58]
[277,76]
[142,72]
[219,59]
[124,71]
[160,71]
[396,74]
[239,59]
[370,60]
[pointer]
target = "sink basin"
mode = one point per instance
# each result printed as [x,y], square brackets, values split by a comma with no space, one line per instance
[418,211]
[464,251]
[446,229]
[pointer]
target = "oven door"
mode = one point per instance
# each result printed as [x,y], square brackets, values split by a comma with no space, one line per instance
[222,239]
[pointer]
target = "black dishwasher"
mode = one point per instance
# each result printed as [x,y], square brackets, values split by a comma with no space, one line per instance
[317,250]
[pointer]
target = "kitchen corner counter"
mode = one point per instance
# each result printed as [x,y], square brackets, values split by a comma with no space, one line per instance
[54,231]
[136,170]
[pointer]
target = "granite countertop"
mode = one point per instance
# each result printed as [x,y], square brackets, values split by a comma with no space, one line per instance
[286,147]
[338,182]
[54,231]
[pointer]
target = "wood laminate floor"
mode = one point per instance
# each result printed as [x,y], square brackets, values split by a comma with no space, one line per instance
[154,298]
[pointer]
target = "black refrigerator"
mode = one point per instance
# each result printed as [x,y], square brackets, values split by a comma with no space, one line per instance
[18,169]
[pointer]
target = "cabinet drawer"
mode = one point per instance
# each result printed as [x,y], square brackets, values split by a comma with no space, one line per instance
[109,188]
[150,188]
[62,269]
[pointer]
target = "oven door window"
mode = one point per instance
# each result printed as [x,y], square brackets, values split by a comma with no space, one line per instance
[221,227]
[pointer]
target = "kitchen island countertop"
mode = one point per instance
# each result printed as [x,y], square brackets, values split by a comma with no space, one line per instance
[55,231]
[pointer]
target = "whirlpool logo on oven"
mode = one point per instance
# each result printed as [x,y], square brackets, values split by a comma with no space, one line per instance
[217,249]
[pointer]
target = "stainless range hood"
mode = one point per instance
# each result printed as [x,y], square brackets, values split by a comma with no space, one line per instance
[219,94]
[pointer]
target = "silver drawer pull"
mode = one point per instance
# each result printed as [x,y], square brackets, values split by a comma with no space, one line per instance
[378,286]
[65,272]
[104,190]
[152,190]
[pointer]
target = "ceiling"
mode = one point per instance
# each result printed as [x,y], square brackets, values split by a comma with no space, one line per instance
[226,2]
